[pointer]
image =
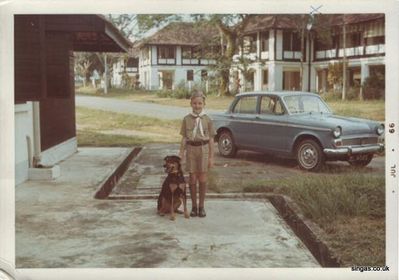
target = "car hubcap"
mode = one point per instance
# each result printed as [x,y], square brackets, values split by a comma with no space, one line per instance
[225,144]
[308,156]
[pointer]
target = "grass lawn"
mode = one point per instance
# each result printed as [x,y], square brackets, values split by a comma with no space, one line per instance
[107,129]
[374,110]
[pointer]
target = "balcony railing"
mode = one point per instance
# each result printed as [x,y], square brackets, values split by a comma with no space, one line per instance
[264,55]
[292,55]
[166,61]
[375,49]
[191,61]
[355,51]
[207,61]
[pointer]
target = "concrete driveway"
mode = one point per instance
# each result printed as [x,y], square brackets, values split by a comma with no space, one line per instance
[60,224]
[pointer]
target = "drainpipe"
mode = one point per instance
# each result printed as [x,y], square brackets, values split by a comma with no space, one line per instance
[36,134]
[309,54]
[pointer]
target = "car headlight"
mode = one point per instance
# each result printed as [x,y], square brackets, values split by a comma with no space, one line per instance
[337,132]
[380,129]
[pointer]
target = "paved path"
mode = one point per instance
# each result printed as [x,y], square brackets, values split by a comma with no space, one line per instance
[137,108]
[60,224]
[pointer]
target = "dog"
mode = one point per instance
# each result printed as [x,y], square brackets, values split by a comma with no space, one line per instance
[173,191]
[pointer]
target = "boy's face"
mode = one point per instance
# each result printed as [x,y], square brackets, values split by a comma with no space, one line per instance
[197,103]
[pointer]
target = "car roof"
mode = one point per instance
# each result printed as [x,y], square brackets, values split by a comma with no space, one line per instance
[278,93]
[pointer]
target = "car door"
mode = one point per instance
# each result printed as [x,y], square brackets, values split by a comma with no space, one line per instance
[271,128]
[242,120]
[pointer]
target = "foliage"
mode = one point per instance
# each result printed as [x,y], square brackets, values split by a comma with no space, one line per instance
[335,75]
[374,86]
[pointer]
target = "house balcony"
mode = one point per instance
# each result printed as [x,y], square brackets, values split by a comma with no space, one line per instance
[264,55]
[190,61]
[132,69]
[250,56]
[169,61]
[292,55]
[351,52]
[207,61]
[375,49]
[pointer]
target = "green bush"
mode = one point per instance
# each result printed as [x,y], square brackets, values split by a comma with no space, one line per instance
[374,86]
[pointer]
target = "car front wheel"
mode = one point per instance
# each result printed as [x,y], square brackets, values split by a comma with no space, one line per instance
[226,144]
[362,161]
[309,155]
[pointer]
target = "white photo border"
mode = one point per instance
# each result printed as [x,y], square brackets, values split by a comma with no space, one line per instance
[7,182]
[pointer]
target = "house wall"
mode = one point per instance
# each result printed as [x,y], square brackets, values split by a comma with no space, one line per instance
[150,73]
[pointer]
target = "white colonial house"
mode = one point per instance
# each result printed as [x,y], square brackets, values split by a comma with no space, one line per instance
[125,71]
[176,55]
[272,45]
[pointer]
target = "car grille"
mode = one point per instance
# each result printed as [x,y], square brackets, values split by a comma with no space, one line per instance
[360,141]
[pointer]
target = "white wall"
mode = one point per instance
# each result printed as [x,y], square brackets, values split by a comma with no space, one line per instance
[23,138]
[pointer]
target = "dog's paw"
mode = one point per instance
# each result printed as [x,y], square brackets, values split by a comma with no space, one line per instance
[186,215]
[172,218]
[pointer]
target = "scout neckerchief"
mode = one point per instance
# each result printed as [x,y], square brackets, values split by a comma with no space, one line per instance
[198,123]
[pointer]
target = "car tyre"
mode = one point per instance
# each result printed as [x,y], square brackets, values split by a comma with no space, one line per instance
[309,155]
[226,145]
[361,162]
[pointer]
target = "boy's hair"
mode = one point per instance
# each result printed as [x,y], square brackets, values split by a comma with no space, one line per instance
[197,93]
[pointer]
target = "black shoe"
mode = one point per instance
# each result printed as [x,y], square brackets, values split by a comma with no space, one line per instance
[194,212]
[201,213]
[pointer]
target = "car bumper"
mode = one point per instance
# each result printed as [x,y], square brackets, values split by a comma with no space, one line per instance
[354,150]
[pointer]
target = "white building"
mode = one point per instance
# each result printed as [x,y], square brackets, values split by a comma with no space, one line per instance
[272,45]
[175,55]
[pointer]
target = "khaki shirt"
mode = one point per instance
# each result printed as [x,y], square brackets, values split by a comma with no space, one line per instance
[188,125]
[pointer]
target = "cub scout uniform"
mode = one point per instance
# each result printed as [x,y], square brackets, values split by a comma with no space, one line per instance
[197,130]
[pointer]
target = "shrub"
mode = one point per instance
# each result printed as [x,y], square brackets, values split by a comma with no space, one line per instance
[374,86]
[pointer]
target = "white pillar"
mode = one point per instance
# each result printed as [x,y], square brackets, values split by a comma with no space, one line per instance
[36,133]
[258,77]
[272,39]
[365,72]
[178,55]
[275,76]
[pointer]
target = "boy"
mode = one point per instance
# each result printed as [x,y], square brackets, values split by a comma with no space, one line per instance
[197,140]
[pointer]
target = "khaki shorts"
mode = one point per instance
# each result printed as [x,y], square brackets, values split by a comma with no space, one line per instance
[197,158]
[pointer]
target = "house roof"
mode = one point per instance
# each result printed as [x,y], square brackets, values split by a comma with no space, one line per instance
[290,21]
[182,33]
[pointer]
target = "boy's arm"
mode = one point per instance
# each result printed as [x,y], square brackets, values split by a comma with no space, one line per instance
[211,148]
[182,148]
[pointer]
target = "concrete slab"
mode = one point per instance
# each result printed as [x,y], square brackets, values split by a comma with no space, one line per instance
[60,224]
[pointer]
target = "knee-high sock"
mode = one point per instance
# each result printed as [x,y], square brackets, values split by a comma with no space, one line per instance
[193,194]
[202,193]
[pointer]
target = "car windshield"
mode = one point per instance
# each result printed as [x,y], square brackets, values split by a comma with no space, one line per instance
[297,104]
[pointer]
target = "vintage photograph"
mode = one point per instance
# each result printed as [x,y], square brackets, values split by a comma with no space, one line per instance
[200,140]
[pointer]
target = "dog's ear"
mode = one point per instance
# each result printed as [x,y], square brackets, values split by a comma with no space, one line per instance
[175,158]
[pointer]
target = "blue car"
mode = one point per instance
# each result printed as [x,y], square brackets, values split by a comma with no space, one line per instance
[297,125]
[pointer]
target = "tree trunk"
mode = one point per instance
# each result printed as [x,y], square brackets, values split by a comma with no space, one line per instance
[344,62]
[301,83]
[105,74]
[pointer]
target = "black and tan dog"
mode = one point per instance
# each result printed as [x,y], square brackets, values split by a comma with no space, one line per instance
[173,192]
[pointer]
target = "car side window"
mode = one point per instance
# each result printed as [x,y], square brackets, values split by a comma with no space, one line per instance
[271,106]
[279,109]
[246,105]
[267,105]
